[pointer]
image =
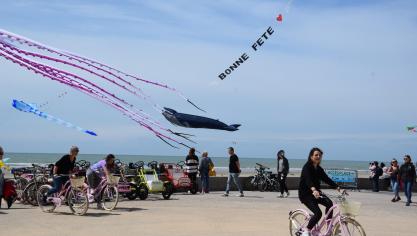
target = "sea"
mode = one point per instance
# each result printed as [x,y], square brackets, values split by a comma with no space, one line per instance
[26,159]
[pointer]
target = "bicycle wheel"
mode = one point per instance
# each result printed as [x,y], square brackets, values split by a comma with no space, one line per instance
[348,227]
[78,201]
[298,220]
[21,184]
[262,185]
[30,194]
[168,190]
[41,199]
[109,198]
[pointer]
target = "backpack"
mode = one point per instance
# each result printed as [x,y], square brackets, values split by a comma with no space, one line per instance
[379,171]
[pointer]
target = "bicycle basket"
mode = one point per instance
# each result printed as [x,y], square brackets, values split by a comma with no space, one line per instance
[350,208]
[77,182]
[113,180]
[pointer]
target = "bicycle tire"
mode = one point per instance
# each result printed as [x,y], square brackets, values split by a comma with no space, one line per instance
[168,191]
[296,225]
[21,184]
[44,206]
[30,194]
[78,201]
[348,221]
[109,198]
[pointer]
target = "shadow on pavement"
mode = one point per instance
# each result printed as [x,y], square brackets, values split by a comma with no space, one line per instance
[89,214]
[130,209]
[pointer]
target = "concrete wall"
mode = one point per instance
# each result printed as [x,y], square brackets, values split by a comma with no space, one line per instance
[219,184]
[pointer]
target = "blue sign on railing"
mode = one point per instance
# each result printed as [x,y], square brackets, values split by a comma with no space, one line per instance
[342,175]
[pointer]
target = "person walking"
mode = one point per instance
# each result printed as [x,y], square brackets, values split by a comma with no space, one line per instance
[408,175]
[204,169]
[234,172]
[283,168]
[191,164]
[393,171]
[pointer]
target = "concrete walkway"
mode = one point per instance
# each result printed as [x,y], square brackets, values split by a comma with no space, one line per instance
[202,215]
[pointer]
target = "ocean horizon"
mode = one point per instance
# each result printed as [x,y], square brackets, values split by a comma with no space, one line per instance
[26,159]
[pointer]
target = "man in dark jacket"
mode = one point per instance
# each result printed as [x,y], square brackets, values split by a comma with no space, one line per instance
[408,175]
[283,168]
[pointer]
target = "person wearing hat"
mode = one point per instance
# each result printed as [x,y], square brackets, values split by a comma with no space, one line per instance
[408,176]
[62,169]
[282,169]
[393,171]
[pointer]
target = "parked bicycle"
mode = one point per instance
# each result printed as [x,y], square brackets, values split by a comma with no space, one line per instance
[73,194]
[40,175]
[341,224]
[264,180]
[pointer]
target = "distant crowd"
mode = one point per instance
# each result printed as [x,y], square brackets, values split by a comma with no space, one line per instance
[400,176]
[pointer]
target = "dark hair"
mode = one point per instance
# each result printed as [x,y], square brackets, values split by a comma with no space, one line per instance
[192,151]
[408,156]
[280,152]
[231,149]
[108,158]
[314,149]
[382,164]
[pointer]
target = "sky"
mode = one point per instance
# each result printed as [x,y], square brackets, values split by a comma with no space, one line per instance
[340,75]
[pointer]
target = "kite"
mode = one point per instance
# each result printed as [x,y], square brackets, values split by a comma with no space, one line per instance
[193,121]
[31,108]
[104,82]
[279,18]
[412,129]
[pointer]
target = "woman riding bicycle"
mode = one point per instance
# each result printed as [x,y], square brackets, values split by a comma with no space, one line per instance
[309,190]
[100,170]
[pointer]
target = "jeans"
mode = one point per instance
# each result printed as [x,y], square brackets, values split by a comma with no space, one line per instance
[282,179]
[57,184]
[205,183]
[408,187]
[395,185]
[93,179]
[313,204]
[235,178]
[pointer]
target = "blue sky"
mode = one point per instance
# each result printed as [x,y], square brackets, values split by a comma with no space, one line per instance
[336,74]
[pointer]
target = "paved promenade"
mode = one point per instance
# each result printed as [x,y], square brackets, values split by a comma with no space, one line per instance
[202,215]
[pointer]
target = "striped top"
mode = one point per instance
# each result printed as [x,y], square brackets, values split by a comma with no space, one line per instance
[191,163]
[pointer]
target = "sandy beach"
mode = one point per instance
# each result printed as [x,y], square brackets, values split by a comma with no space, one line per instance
[211,214]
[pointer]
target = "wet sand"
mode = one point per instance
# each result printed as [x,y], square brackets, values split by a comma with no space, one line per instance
[210,214]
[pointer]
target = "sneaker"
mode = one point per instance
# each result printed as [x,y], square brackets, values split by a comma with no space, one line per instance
[398,199]
[90,198]
[394,200]
[287,194]
[225,195]
[407,204]
[281,196]
[240,195]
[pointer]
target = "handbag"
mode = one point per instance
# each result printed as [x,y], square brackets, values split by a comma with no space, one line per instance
[212,172]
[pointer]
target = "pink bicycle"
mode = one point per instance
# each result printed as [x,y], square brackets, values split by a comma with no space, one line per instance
[341,224]
[72,193]
[106,194]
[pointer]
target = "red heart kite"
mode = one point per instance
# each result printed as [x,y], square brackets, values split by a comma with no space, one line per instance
[279,18]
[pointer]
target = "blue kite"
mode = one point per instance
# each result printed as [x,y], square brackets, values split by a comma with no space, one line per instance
[32,108]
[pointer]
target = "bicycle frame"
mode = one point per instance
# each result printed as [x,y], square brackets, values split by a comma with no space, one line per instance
[337,218]
[66,188]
